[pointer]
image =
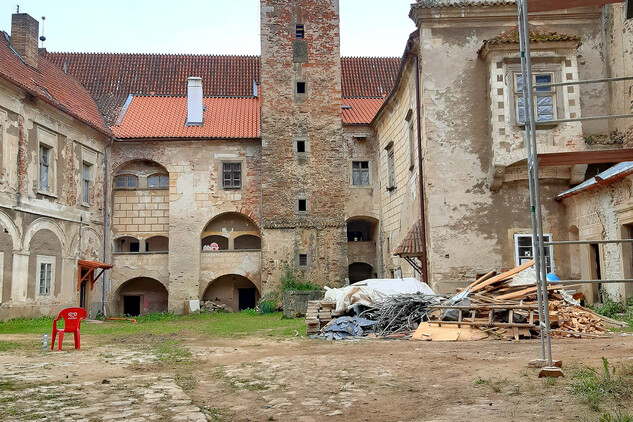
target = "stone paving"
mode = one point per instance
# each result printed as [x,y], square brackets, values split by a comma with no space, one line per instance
[48,391]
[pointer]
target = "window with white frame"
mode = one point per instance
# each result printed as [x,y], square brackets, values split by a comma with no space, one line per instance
[360,173]
[45,168]
[544,98]
[45,275]
[86,182]
[524,251]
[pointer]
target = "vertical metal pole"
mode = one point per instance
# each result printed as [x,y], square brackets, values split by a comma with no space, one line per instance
[524,38]
[537,231]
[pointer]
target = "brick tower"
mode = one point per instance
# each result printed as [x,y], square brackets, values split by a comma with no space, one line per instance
[303,168]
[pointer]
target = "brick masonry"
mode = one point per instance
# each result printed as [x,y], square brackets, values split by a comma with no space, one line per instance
[313,116]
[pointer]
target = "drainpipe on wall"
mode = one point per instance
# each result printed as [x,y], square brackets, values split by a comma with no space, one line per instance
[105,224]
[425,277]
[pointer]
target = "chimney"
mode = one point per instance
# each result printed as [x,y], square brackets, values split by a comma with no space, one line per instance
[24,33]
[194,101]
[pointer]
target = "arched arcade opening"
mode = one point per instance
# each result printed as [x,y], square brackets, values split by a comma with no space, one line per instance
[235,291]
[359,271]
[141,296]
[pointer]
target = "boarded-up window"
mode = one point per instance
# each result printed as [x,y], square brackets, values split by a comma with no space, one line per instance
[544,98]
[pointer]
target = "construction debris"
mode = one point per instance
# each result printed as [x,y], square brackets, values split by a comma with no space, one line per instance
[344,327]
[319,314]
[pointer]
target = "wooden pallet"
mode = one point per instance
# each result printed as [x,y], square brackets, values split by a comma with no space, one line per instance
[319,314]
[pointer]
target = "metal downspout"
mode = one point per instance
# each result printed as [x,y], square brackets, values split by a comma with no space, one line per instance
[425,277]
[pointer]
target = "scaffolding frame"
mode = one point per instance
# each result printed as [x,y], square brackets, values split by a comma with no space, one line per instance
[538,243]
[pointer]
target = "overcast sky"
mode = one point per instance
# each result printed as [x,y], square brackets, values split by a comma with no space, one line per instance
[368,27]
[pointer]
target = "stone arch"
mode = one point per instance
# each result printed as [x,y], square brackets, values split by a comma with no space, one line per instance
[140,296]
[224,228]
[49,224]
[12,229]
[361,228]
[359,271]
[89,237]
[235,291]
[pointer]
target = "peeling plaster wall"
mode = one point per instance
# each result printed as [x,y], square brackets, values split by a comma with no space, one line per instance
[471,227]
[195,196]
[35,222]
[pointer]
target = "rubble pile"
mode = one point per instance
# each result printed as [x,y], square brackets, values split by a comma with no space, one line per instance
[211,306]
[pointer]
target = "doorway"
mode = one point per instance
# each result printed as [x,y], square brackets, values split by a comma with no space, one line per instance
[83,290]
[596,271]
[132,305]
[246,298]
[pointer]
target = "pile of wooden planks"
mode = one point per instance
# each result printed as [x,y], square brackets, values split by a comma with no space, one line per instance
[319,314]
[566,319]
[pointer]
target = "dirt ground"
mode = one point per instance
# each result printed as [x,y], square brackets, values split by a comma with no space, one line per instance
[138,378]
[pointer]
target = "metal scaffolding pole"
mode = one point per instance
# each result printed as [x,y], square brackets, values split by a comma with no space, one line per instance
[535,201]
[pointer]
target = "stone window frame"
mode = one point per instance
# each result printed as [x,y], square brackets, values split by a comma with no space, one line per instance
[88,159]
[410,129]
[49,140]
[551,66]
[232,162]
[307,203]
[47,260]
[520,259]
[161,177]
[301,156]
[353,170]
[391,166]
[4,120]
[299,259]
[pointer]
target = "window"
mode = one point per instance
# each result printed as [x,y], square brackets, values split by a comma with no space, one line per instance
[126,181]
[301,146]
[87,178]
[231,175]
[158,181]
[45,275]
[302,205]
[411,142]
[135,246]
[45,168]
[360,173]
[525,252]
[303,260]
[544,98]
[301,87]
[299,31]
[391,171]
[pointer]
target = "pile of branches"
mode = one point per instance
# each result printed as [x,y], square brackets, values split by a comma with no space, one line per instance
[400,313]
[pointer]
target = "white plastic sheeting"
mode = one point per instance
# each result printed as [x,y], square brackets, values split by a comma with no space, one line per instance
[368,292]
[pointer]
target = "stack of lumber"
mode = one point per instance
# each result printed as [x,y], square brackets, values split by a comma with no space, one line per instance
[319,314]
[566,319]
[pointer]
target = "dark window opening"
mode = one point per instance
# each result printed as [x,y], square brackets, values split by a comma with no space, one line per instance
[303,260]
[246,298]
[301,146]
[301,87]
[302,205]
[134,246]
[299,32]
[231,175]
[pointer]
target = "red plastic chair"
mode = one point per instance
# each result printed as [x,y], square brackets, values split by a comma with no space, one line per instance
[72,321]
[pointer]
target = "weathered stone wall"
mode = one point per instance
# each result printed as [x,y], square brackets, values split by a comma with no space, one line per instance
[601,213]
[52,222]
[396,129]
[195,196]
[314,117]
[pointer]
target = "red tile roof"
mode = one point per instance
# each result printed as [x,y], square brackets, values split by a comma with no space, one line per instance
[360,110]
[413,243]
[368,77]
[50,84]
[153,117]
[111,77]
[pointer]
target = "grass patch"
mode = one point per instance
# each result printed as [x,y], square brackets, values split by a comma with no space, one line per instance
[172,352]
[221,325]
[606,386]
